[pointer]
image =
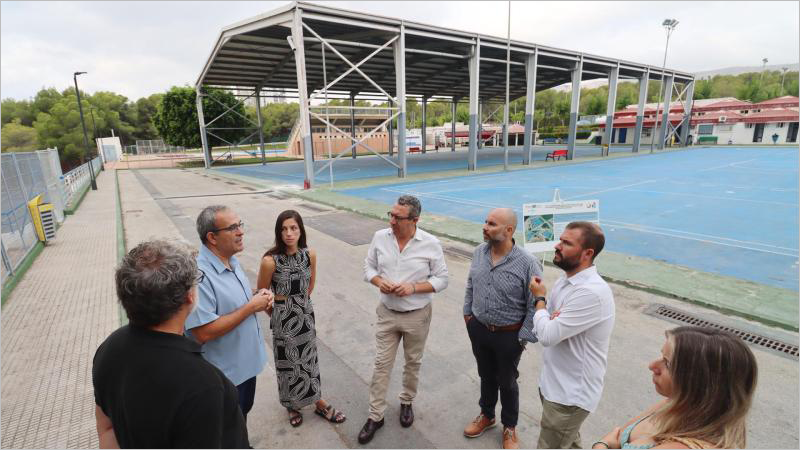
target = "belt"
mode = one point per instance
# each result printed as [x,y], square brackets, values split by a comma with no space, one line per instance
[495,328]
[404,312]
[281,298]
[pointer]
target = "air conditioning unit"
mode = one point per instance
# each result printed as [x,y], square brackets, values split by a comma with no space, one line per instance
[722,119]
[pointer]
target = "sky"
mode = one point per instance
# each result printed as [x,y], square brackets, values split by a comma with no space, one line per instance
[141,48]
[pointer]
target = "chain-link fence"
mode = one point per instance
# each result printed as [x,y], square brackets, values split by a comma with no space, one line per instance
[24,176]
[154,146]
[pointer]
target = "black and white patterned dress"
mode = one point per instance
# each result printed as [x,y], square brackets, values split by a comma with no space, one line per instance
[294,340]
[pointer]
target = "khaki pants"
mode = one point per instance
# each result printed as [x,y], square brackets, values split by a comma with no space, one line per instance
[392,327]
[561,425]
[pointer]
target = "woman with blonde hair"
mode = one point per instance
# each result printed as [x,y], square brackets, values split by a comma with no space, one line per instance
[708,377]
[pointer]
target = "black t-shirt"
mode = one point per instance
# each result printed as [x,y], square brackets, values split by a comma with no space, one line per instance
[159,392]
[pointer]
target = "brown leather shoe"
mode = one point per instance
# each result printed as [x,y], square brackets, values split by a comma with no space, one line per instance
[510,438]
[406,415]
[368,432]
[478,426]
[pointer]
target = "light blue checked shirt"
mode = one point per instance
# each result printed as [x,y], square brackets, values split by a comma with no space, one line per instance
[499,295]
[239,354]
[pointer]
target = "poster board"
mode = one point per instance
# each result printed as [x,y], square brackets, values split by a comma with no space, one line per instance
[543,223]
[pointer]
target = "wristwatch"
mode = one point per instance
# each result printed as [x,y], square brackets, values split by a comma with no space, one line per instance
[539,299]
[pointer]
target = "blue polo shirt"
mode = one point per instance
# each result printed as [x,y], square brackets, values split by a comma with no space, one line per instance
[239,354]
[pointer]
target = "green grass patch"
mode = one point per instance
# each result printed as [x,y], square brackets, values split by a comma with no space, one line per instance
[235,162]
[76,200]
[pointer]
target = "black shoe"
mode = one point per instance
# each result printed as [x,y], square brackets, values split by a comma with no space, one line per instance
[406,415]
[368,432]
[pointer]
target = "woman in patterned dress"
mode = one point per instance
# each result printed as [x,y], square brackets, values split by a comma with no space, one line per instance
[289,269]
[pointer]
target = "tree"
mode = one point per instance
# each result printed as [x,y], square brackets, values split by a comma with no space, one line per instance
[176,117]
[22,110]
[18,138]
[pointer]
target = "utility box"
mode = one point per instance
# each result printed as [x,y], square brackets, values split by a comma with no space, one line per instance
[44,218]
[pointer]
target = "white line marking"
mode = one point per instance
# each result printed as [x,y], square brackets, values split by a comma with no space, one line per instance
[650,227]
[715,198]
[611,189]
[635,228]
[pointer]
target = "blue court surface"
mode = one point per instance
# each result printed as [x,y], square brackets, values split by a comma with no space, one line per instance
[347,168]
[730,211]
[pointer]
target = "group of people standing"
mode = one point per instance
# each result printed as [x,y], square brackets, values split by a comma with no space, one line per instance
[183,372]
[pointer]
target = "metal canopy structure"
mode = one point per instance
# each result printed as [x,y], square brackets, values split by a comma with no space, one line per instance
[380,58]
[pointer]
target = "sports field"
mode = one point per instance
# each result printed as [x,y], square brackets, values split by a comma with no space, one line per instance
[731,211]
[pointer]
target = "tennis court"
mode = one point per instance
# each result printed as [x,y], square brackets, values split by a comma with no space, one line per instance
[731,211]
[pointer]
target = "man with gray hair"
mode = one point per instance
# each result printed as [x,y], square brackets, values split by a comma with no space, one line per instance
[224,322]
[152,387]
[496,301]
[407,265]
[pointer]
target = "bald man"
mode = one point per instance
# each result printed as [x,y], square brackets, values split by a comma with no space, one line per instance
[495,305]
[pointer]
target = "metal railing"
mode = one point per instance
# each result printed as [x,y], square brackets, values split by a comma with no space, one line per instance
[77,179]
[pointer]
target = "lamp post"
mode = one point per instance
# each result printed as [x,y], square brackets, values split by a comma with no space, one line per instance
[782,77]
[83,124]
[669,25]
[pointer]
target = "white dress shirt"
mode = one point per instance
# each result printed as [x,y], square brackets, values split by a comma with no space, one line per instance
[576,342]
[421,260]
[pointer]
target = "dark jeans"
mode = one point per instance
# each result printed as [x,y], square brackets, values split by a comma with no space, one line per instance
[247,393]
[497,354]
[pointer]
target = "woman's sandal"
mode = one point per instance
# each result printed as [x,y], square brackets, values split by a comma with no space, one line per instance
[331,414]
[295,418]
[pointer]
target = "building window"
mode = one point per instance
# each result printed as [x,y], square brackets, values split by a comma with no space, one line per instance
[780,125]
[748,125]
[646,132]
[705,129]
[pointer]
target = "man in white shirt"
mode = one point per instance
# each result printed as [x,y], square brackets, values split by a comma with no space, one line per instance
[407,265]
[574,326]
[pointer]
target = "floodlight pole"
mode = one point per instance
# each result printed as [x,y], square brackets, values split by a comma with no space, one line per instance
[508,75]
[83,124]
[782,78]
[669,25]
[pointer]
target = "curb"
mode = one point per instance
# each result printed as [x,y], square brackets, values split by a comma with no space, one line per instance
[74,206]
[123,318]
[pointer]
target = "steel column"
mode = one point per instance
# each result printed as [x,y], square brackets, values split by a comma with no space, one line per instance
[687,113]
[613,76]
[662,132]
[203,135]
[573,109]
[260,127]
[637,132]
[391,135]
[353,120]
[474,104]
[302,93]
[424,125]
[530,104]
[399,48]
[453,126]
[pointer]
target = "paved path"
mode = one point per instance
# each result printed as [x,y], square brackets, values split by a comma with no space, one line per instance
[51,326]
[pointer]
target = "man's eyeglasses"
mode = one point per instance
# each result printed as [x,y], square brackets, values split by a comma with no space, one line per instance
[200,277]
[391,216]
[233,228]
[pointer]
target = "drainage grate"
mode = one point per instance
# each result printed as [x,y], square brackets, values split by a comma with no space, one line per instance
[752,338]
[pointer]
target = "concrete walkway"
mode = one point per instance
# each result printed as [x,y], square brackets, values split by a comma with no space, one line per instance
[51,326]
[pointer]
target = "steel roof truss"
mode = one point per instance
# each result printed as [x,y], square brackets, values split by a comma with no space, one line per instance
[355,141]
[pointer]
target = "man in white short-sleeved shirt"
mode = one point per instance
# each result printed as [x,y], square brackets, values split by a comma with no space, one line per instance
[407,265]
[574,326]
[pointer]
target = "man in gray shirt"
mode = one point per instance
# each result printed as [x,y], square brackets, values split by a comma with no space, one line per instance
[495,304]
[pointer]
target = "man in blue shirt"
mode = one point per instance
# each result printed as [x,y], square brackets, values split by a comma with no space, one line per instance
[224,322]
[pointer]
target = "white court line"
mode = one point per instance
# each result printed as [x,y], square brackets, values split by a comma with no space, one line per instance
[449,199]
[726,165]
[612,189]
[704,240]
[649,227]
[715,198]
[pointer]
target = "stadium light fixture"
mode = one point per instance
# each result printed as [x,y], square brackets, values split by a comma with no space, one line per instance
[669,25]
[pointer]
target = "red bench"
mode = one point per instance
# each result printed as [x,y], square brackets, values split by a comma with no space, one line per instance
[556,154]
